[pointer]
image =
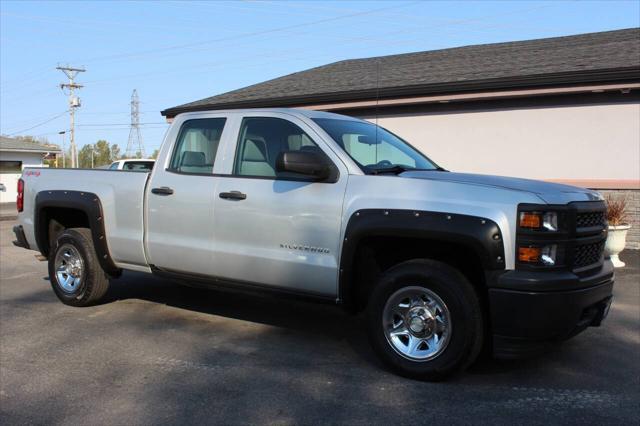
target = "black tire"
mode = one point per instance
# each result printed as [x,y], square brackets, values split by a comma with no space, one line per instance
[94,282]
[466,337]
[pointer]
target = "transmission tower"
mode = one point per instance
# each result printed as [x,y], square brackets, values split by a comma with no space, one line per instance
[74,102]
[135,146]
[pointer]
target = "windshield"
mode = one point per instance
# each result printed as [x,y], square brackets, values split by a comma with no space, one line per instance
[374,148]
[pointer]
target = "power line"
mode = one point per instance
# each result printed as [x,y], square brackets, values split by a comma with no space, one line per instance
[381,38]
[120,124]
[39,124]
[250,34]
[112,129]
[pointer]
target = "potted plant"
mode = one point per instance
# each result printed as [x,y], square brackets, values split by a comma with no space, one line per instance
[618,227]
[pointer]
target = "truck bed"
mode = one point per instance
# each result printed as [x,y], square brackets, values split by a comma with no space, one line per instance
[121,195]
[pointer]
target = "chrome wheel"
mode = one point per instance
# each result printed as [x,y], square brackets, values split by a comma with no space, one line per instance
[417,323]
[69,266]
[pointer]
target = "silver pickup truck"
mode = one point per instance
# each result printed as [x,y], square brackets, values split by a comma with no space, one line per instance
[335,209]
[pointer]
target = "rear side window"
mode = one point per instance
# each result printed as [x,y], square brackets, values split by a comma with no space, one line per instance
[138,166]
[197,145]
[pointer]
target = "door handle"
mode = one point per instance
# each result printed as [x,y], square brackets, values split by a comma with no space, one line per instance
[163,190]
[233,195]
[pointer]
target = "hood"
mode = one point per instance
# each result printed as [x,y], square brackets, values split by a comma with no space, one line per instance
[550,193]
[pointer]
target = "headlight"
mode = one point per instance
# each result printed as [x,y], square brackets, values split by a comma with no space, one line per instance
[538,255]
[543,221]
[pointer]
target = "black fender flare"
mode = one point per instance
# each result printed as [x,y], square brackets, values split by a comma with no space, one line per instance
[480,234]
[86,202]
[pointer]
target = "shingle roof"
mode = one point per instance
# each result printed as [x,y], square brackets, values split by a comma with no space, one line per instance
[11,144]
[594,57]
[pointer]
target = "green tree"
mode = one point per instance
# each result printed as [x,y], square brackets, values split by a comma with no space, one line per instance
[84,157]
[154,154]
[115,152]
[66,161]
[101,153]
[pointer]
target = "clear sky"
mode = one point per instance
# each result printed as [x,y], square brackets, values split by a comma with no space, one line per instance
[175,52]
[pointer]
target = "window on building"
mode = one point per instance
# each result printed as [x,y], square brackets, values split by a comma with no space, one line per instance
[7,167]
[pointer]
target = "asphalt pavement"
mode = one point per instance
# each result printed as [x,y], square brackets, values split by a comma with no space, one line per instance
[8,211]
[159,353]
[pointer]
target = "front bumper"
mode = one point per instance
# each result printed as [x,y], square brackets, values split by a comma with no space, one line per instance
[531,310]
[21,240]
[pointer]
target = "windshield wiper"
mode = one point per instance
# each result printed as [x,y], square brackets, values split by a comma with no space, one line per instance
[397,169]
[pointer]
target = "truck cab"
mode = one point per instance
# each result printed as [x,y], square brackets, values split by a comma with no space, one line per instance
[335,209]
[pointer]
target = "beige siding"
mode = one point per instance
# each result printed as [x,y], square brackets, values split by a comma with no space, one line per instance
[572,142]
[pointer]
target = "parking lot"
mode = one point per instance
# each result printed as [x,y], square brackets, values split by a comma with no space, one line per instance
[157,352]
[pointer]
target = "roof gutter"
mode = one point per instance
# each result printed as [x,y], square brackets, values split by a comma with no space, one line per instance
[34,151]
[629,75]
[478,96]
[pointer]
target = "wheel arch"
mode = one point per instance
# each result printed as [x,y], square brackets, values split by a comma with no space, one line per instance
[377,239]
[56,211]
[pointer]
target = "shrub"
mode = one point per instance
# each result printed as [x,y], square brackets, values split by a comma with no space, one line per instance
[617,213]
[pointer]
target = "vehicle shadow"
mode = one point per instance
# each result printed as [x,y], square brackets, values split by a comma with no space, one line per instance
[324,320]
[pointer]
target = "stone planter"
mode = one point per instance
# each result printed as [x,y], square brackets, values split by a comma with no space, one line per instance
[616,241]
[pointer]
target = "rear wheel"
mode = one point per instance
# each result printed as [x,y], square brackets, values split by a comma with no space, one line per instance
[74,270]
[424,320]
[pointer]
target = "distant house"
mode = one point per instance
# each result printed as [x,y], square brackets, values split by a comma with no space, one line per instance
[15,155]
[564,109]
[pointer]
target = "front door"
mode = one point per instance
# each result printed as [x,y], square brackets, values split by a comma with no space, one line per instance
[180,197]
[273,228]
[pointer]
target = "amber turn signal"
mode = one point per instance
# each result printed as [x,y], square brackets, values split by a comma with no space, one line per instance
[529,254]
[530,220]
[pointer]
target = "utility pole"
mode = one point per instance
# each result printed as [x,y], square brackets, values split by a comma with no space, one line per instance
[135,145]
[74,102]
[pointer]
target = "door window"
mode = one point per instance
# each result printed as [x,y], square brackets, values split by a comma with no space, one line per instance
[197,145]
[261,141]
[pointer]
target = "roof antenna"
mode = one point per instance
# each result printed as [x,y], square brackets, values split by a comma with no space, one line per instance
[377,102]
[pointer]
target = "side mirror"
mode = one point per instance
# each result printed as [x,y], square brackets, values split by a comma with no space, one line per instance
[306,163]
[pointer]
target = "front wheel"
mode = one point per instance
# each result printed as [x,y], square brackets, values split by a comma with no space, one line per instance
[424,320]
[74,270]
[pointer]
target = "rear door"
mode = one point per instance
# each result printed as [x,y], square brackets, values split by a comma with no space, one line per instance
[180,197]
[275,229]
